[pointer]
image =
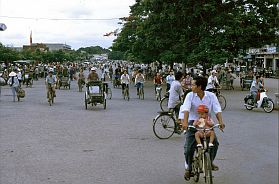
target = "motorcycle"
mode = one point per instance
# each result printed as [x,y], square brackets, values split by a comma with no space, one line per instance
[262,101]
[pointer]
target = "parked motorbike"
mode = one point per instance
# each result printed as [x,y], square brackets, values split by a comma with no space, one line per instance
[263,101]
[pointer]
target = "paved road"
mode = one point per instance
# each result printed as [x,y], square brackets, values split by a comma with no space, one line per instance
[67,144]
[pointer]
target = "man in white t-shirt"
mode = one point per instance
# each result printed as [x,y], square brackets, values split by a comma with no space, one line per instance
[169,79]
[212,82]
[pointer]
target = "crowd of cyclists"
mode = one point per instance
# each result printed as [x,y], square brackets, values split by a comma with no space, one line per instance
[120,73]
[191,95]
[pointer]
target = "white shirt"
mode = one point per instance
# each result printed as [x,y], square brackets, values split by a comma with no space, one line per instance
[210,82]
[125,79]
[19,76]
[192,101]
[139,78]
[255,86]
[176,92]
[170,79]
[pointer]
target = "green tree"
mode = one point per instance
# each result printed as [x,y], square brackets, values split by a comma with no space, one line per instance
[196,31]
[8,54]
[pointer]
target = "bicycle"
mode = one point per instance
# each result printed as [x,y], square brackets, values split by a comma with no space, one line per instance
[221,99]
[158,92]
[164,103]
[141,91]
[50,95]
[165,100]
[202,162]
[109,93]
[125,93]
[107,89]
[165,124]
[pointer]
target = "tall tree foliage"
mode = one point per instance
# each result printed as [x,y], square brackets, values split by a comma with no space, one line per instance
[196,31]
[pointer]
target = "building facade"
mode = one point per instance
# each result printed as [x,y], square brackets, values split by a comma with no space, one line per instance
[47,46]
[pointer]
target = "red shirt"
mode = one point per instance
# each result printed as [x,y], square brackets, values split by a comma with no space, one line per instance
[158,79]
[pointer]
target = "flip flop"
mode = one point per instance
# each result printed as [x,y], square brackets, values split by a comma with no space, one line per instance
[215,167]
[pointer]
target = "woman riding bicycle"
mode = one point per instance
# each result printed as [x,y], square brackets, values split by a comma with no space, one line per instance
[139,80]
[125,80]
[157,81]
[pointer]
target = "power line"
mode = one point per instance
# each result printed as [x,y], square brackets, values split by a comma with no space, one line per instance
[60,19]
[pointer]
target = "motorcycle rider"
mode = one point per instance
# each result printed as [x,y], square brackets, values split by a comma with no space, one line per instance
[255,87]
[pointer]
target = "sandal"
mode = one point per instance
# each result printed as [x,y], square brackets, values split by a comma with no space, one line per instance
[215,167]
[187,175]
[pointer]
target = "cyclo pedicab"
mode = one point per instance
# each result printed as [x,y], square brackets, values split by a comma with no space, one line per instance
[65,82]
[28,78]
[246,82]
[95,94]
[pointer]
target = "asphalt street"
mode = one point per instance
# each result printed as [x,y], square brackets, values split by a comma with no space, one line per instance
[66,144]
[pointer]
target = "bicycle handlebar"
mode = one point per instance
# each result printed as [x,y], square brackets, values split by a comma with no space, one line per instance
[205,129]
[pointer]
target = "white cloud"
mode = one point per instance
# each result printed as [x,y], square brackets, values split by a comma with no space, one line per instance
[77,33]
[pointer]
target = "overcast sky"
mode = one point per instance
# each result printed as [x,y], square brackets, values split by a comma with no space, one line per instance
[76,33]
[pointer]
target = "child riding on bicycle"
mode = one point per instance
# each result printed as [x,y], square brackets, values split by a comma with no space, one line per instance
[204,121]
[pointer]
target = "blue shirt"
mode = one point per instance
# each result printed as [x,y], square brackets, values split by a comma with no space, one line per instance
[50,80]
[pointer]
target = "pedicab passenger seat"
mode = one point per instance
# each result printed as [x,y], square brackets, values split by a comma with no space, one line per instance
[95,88]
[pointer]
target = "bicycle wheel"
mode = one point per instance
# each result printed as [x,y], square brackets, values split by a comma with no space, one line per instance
[127,93]
[85,100]
[207,168]
[164,126]
[222,101]
[196,166]
[158,95]
[164,104]
[141,94]
[109,95]
[50,98]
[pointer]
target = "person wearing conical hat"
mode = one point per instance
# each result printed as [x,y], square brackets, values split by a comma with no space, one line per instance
[14,83]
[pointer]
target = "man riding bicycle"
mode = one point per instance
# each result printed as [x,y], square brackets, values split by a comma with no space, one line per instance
[50,82]
[93,76]
[176,94]
[212,82]
[188,112]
